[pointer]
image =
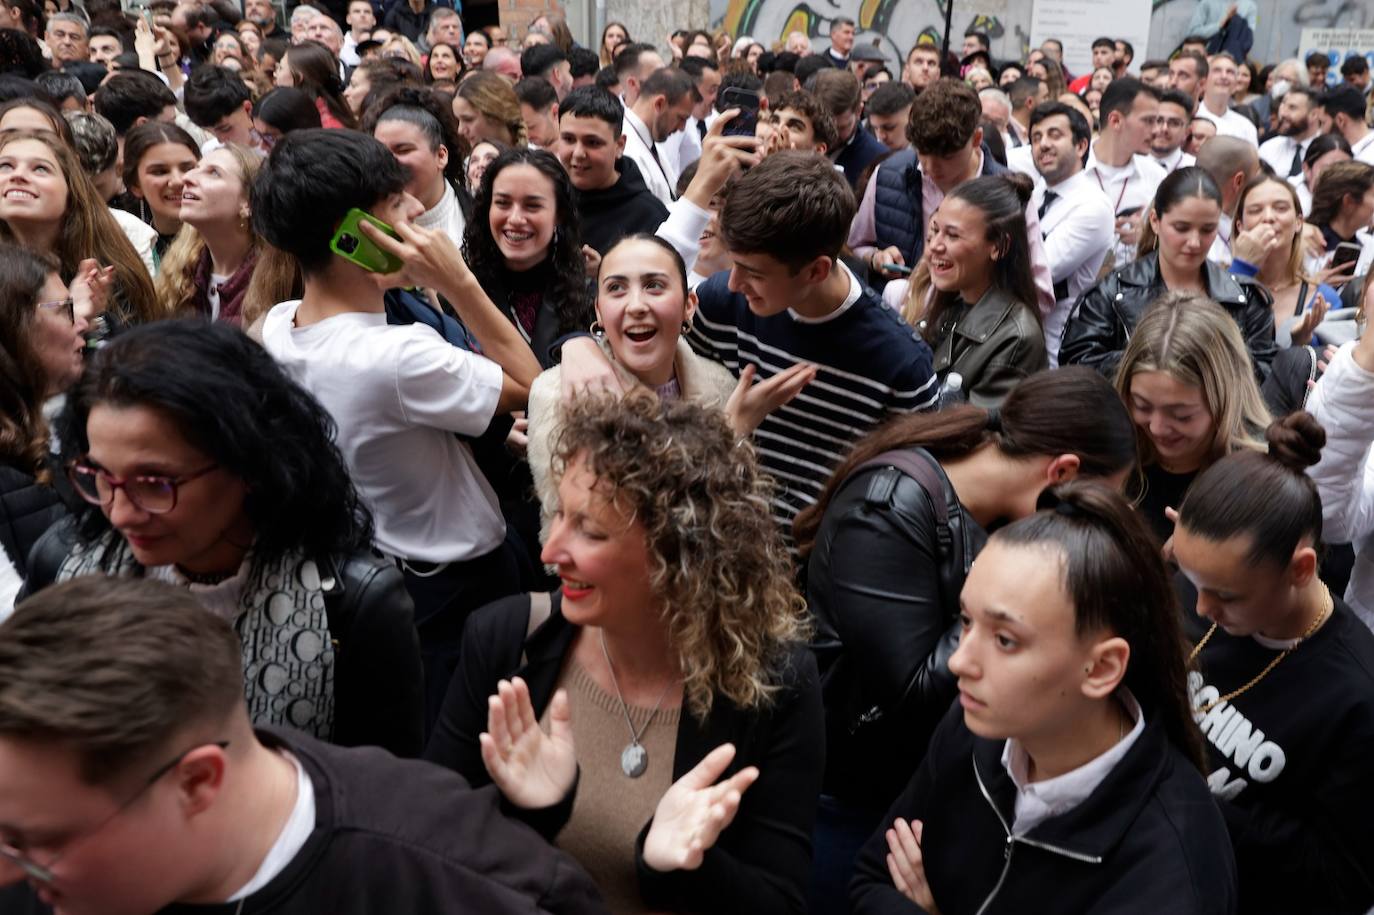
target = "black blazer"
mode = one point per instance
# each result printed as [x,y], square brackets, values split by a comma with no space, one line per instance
[1149,839]
[762,862]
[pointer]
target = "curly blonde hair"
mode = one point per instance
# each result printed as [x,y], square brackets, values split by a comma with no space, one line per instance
[717,560]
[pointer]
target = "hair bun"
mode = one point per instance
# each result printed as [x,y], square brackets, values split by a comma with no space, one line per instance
[1296,440]
[1022,184]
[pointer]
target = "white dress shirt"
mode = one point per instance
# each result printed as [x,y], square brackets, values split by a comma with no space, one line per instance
[1175,160]
[682,148]
[1230,124]
[1131,187]
[1363,149]
[1077,226]
[1278,152]
[1038,801]
[639,146]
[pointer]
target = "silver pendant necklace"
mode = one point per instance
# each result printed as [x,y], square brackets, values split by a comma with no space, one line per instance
[634,759]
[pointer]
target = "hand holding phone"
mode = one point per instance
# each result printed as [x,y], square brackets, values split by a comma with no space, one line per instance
[352,245]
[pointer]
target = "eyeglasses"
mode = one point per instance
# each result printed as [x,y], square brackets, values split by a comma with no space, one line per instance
[43,873]
[155,495]
[66,305]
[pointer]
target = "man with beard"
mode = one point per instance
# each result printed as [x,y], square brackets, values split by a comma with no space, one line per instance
[1296,130]
[262,14]
[1075,215]
[1171,129]
[662,108]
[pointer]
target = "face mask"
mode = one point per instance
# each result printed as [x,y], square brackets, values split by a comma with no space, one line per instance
[1280,89]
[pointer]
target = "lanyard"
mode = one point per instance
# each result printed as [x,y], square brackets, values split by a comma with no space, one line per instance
[1119,197]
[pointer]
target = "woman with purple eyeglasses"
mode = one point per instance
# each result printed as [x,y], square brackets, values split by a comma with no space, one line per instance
[200,463]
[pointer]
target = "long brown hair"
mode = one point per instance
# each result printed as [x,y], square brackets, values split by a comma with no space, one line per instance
[1071,410]
[176,286]
[23,383]
[88,230]
[1338,181]
[317,75]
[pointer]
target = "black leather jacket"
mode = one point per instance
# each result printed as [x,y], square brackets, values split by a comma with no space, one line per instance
[378,684]
[1101,323]
[885,596]
[27,509]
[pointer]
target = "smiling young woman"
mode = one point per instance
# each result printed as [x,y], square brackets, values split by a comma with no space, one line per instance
[1184,378]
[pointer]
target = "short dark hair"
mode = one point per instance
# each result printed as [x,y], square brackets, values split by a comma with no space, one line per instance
[133,94]
[540,59]
[536,91]
[583,62]
[1024,87]
[1199,60]
[944,117]
[696,67]
[1317,59]
[1354,66]
[807,68]
[311,179]
[1104,43]
[77,658]
[58,86]
[607,77]
[627,58]
[982,37]
[107,32]
[287,108]
[738,79]
[1345,100]
[594,102]
[793,207]
[1128,48]
[1078,125]
[890,98]
[1120,96]
[672,84]
[1154,63]
[1181,99]
[822,124]
[839,21]
[838,90]
[213,93]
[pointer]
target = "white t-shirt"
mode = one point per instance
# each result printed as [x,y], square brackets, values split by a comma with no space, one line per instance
[398,393]
[1231,124]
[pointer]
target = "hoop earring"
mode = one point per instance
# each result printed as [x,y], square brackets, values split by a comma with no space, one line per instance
[596,330]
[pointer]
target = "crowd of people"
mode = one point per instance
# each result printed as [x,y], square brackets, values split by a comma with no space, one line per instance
[451,471]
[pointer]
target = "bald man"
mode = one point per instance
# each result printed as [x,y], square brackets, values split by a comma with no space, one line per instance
[504,61]
[1231,162]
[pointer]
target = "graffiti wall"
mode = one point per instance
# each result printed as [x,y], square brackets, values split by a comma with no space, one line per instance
[896,24]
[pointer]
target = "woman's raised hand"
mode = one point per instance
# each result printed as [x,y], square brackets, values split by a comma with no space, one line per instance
[1303,327]
[695,811]
[532,769]
[90,289]
[1255,244]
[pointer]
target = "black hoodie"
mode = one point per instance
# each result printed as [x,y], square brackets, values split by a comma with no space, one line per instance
[624,208]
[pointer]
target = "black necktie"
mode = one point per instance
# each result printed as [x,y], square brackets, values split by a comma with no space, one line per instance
[701,128]
[1296,167]
[1050,197]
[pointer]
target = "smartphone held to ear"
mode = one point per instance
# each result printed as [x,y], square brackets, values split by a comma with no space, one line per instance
[747,101]
[352,245]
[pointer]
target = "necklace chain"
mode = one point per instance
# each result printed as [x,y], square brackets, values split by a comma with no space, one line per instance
[624,706]
[1328,607]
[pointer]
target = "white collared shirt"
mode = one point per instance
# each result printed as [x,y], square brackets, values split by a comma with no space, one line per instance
[1077,226]
[638,142]
[1230,124]
[1037,802]
[1131,187]
[1278,152]
[1220,252]
[1175,160]
[1363,149]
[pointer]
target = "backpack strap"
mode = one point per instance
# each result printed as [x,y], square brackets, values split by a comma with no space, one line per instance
[920,466]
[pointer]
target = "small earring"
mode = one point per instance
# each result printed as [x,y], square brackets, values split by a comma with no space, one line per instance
[596,330]
[686,327]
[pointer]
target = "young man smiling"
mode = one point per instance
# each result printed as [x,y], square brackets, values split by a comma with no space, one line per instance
[612,199]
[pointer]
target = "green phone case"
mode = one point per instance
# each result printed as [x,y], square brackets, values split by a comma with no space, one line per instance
[352,245]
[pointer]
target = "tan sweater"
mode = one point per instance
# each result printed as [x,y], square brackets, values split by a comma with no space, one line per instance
[611,808]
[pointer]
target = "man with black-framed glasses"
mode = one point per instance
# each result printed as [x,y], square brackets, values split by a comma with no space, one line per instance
[132,782]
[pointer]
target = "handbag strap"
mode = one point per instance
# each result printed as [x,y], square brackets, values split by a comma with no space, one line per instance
[1302,298]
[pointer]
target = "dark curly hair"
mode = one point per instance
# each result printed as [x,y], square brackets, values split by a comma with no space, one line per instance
[569,289]
[231,400]
[716,559]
